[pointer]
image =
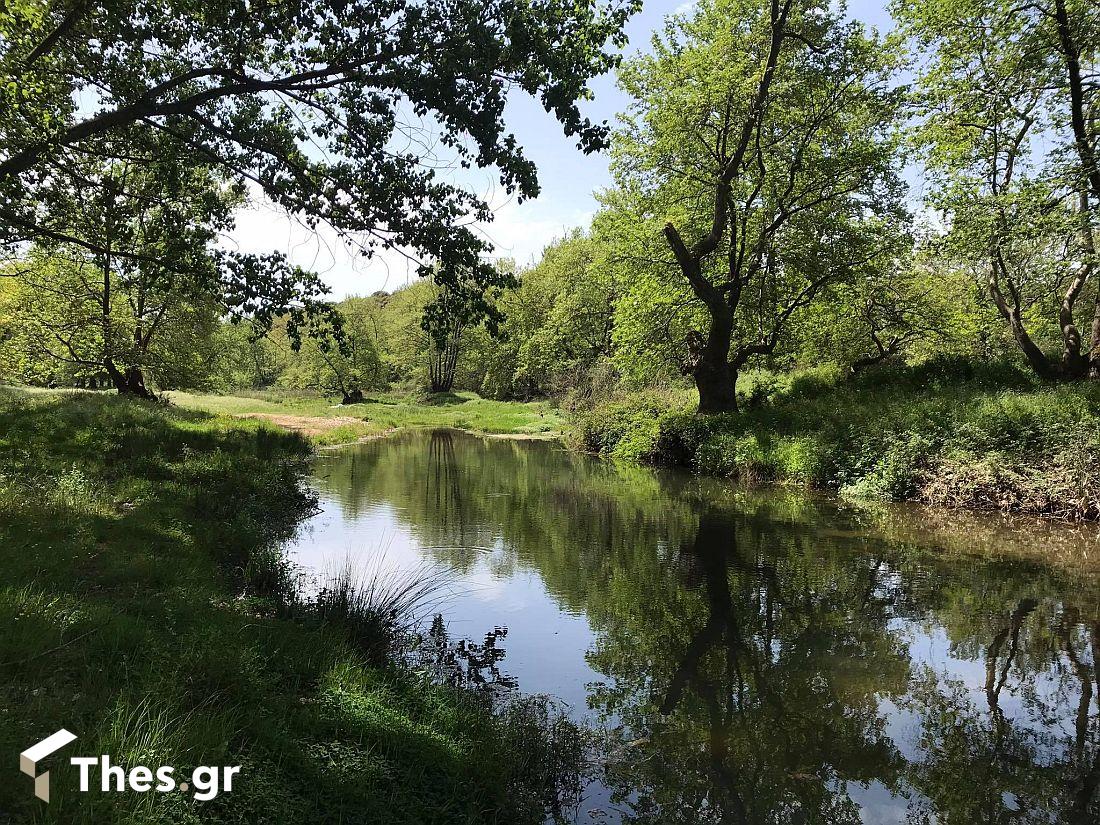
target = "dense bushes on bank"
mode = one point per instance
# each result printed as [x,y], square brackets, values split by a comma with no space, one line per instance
[949,432]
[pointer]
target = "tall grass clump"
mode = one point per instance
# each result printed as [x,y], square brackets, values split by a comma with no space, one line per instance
[380,610]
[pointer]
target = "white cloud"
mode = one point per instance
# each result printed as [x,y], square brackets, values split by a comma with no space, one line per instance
[522,231]
[519,231]
[264,227]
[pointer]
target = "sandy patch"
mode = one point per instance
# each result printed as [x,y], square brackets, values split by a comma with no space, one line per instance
[305,424]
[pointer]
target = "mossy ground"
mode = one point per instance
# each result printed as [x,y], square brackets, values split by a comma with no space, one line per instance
[129,532]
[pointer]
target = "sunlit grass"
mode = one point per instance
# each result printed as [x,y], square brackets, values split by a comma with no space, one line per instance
[383,412]
[955,433]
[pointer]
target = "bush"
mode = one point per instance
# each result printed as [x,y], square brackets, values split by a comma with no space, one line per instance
[951,431]
[628,428]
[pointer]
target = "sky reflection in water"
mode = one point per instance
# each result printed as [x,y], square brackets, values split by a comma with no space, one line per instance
[759,656]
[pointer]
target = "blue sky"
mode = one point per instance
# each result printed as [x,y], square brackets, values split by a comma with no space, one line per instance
[568,181]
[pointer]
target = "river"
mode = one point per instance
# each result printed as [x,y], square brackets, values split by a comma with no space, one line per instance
[752,655]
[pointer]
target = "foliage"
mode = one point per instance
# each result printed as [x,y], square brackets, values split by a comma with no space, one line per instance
[1012,154]
[946,432]
[558,322]
[134,262]
[344,361]
[755,169]
[315,104]
[904,309]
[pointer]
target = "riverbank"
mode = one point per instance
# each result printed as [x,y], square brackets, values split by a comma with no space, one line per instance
[864,633]
[144,609]
[950,434]
[326,422]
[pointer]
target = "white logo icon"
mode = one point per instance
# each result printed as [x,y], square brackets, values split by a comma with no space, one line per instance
[29,759]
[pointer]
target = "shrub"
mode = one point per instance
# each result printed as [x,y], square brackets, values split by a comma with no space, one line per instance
[802,459]
[1001,439]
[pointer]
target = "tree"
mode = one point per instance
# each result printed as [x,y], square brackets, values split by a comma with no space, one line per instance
[344,360]
[314,102]
[246,360]
[452,306]
[1013,151]
[903,307]
[58,338]
[136,264]
[558,321]
[425,329]
[760,145]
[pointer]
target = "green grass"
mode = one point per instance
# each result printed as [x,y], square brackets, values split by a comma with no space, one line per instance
[383,412]
[140,608]
[948,433]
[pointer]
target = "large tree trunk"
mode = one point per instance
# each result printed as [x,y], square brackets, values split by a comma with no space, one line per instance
[1035,356]
[1079,105]
[716,389]
[353,396]
[130,382]
[708,359]
[1075,364]
[714,377]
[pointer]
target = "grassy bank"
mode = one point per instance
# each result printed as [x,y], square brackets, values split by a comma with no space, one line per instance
[947,433]
[325,421]
[142,608]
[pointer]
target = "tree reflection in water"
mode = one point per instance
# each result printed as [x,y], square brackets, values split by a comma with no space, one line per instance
[764,706]
[767,657]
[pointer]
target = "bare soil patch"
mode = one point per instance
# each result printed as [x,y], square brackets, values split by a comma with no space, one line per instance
[305,424]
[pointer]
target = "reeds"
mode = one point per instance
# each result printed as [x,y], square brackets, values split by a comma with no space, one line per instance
[380,609]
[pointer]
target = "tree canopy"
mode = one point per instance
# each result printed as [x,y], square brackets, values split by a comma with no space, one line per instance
[758,161]
[334,110]
[758,215]
[344,114]
[1006,124]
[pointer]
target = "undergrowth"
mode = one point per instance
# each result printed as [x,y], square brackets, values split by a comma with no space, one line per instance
[949,432]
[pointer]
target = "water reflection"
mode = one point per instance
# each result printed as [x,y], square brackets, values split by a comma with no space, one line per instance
[762,702]
[757,657]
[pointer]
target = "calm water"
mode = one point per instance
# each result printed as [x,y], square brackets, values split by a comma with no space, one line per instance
[755,656]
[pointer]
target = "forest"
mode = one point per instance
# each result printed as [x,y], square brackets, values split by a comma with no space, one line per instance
[763,215]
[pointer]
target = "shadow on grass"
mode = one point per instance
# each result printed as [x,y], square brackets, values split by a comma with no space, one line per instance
[141,607]
[444,399]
